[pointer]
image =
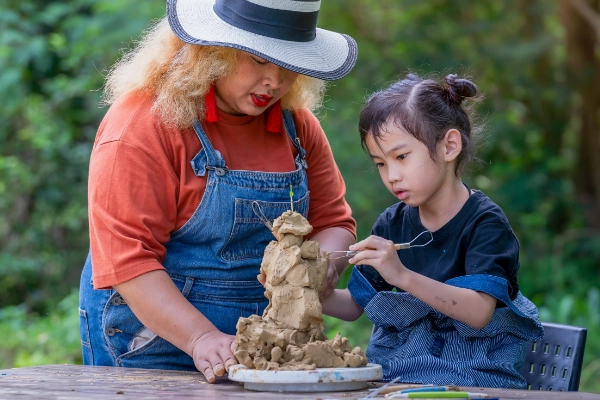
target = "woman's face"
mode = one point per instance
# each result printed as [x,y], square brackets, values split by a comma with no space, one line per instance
[253,86]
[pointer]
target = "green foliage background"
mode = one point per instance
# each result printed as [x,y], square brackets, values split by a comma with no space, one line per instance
[53,56]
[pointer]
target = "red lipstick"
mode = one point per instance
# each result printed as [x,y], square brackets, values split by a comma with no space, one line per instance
[260,100]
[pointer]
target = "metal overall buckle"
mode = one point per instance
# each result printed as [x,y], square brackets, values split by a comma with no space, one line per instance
[220,171]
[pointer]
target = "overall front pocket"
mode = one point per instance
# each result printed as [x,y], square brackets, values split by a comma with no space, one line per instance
[250,236]
[124,332]
[84,331]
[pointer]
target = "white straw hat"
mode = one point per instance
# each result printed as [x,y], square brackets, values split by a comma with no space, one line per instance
[283,32]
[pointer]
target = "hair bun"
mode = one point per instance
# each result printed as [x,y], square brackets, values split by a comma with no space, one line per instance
[459,89]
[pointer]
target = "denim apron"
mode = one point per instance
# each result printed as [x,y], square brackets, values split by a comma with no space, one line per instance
[421,345]
[213,259]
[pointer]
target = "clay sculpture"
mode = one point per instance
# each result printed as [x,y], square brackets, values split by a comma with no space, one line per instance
[289,335]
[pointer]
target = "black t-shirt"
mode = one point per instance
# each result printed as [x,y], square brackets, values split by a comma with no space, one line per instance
[478,240]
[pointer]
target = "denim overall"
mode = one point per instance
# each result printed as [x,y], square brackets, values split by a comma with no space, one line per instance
[213,259]
[421,345]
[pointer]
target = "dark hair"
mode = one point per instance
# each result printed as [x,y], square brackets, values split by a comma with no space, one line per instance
[426,110]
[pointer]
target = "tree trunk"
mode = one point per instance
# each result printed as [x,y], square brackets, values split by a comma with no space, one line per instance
[581,19]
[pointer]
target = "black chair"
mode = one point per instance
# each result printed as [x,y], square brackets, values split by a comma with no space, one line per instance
[554,362]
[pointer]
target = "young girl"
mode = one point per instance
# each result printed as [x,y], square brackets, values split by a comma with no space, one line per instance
[449,312]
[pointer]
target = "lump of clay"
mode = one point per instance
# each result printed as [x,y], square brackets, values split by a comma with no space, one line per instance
[289,336]
[291,222]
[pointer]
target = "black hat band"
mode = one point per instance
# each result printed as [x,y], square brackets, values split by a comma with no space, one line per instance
[274,23]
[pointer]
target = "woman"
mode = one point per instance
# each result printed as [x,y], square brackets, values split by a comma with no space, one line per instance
[208,129]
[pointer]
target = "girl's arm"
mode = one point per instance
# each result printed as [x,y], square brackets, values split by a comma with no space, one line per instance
[341,305]
[465,305]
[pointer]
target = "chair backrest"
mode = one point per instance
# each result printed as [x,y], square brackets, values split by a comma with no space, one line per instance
[554,362]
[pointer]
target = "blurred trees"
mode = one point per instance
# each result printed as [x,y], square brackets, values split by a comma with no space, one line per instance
[581,19]
[52,59]
[536,61]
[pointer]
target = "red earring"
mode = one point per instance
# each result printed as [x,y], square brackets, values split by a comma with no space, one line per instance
[274,121]
[210,100]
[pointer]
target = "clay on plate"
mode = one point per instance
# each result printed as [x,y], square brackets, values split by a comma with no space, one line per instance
[289,335]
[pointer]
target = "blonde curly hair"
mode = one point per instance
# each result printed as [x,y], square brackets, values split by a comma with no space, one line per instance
[179,74]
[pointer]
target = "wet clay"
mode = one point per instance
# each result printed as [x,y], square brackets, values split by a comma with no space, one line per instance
[289,335]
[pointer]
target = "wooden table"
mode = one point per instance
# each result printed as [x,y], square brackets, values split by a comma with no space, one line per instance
[85,382]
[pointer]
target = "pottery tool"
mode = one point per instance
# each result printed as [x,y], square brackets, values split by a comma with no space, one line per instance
[316,380]
[430,388]
[440,395]
[398,246]
[381,389]
[406,386]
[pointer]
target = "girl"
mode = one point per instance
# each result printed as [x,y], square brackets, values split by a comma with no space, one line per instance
[450,312]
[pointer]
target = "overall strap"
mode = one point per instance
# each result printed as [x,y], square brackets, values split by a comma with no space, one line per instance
[208,158]
[290,128]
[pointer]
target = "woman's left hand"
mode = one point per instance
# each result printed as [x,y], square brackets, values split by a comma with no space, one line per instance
[381,255]
[331,281]
[328,239]
[328,286]
[262,277]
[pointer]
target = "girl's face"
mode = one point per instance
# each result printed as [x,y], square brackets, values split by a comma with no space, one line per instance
[406,167]
[254,85]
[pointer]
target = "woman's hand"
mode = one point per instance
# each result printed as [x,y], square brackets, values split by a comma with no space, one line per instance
[328,287]
[262,277]
[160,306]
[331,239]
[213,354]
[331,281]
[381,255]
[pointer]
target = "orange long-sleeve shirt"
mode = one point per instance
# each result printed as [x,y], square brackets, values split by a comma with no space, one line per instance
[142,186]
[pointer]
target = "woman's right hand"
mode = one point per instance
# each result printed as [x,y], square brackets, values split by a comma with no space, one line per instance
[160,306]
[213,354]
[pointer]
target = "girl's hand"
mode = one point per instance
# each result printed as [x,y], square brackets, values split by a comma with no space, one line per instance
[381,255]
[465,305]
[213,354]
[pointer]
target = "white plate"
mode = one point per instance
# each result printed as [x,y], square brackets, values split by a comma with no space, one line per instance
[317,380]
